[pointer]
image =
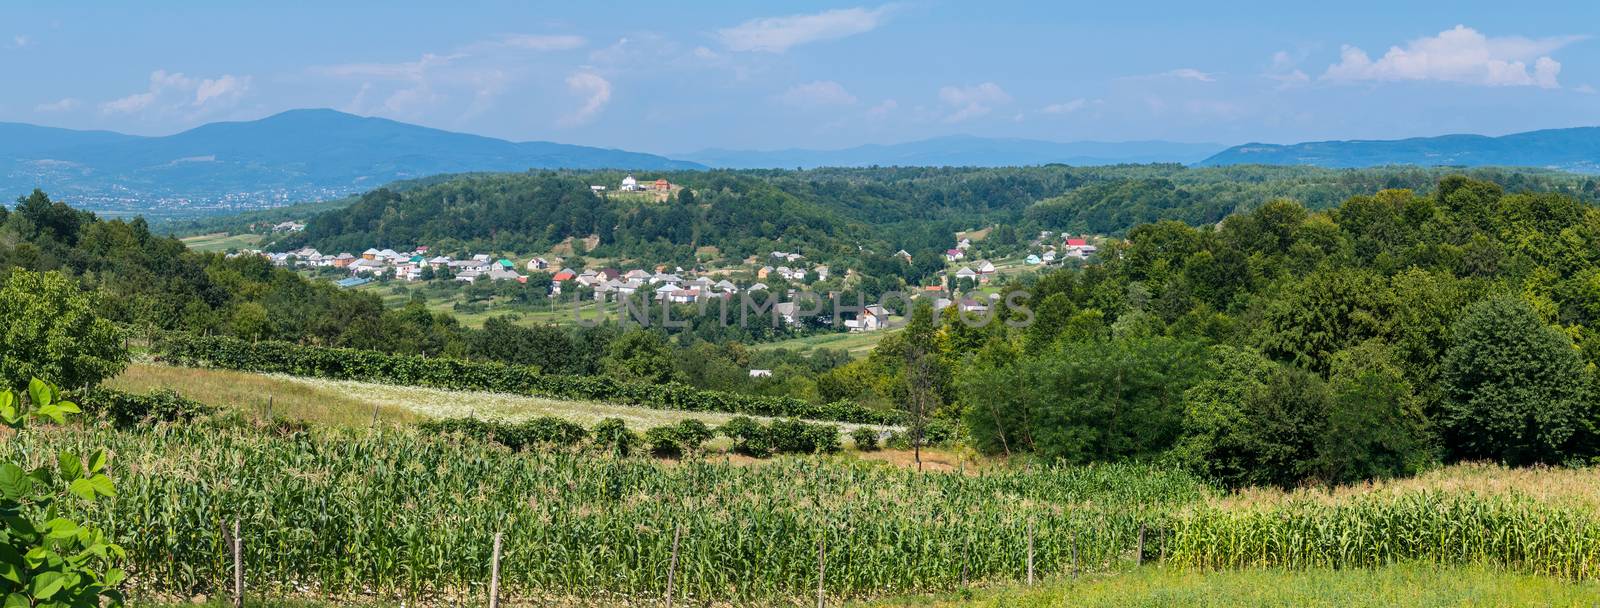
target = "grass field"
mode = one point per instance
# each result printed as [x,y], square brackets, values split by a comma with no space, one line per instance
[351,404]
[857,344]
[222,241]
[1406,585]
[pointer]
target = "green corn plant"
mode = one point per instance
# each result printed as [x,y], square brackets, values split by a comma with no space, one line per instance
[46,558]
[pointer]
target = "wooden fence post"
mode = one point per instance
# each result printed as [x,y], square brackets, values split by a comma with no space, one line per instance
[494,574]
[269,407]
[1074,553]
[1139,559]
[238,567]
[672,566]
[822,566]
[1030,551]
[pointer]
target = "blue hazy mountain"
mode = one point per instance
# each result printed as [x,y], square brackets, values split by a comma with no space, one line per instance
[1575,149]
[295,155]
[961,150]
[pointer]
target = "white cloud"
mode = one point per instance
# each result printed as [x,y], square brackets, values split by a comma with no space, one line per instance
[544,42]
[817,94]
[169,91]
[1285,70]
[778,34]
[1190,74]
[1067,107]
[418,85]
[65,104]
[972,102]
[883,108]
[1585,89]
[596,92]
[1461,55]
[226,88]
[19,41]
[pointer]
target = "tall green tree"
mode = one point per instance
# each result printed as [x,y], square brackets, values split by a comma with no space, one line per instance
[1375,425]
[640,355]
[53,331]
[1515,387]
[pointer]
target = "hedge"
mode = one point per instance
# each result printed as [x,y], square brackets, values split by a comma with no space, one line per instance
[542,432]
[781,437]
[412,370]
[128,409]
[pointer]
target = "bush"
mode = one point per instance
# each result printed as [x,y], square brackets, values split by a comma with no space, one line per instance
[796,437]
[413,370]
[865,438]
[749,437]
[127,409]
[683,438]
[612,435]
[545,432]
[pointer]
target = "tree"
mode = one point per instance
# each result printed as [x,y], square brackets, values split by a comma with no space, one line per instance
[925,373]
[1375,427]
[1514,387]
[640,355]
[1079,402]
[54,331]
[1329,310]
[1253,423]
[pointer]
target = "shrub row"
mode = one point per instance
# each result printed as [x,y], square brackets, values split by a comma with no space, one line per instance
[687,437]
[412,370]
[127,409]
[544,432]
[751,438]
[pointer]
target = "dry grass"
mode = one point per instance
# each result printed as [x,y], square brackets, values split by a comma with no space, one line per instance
[1578,487]
[251,392]
[350,403]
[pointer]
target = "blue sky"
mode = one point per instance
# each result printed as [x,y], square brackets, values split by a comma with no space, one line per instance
[679,76]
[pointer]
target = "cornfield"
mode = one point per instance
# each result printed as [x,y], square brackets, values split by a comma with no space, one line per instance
[1513,530]
[399,514]
[395,513]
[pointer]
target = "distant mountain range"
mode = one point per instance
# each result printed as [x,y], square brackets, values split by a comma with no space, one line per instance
[1575,149]
[961,151]
[310,155]
[293,156]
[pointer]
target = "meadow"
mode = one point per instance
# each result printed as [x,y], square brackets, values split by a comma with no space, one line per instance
[222,241]
[352,404]
[1410,585]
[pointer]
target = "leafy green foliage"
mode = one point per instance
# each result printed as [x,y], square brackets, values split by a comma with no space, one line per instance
[55,331]
[1516,389]
[751,438]
[1097,401]
[685,438]
[47,559]
[612,435]
[640,356]
[544,432]
[128,409]
[865,438]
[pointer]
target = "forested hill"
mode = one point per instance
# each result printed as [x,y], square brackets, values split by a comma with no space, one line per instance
[299,154]
[1575,149]
[836,214]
